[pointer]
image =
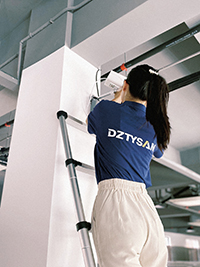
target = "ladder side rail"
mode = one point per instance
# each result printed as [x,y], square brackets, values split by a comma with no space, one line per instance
[82,226]
[71,170]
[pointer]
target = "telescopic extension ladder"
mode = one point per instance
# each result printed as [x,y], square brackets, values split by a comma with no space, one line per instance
[82,226]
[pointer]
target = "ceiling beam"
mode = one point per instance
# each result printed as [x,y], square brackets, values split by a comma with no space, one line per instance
[194,77]
[8,81]
[177,215]
[179,168]
[168,44]
[183,208]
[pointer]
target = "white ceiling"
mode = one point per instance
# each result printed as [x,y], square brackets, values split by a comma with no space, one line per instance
[137,27]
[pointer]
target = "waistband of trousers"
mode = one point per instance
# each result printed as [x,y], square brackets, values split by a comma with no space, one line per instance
[118,183]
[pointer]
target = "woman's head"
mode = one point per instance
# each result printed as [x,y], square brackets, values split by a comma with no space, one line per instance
[145,84]
[138,80]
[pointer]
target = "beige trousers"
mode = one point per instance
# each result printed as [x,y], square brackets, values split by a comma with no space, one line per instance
[126,228]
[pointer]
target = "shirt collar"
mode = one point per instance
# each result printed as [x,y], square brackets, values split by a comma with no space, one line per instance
[135,105]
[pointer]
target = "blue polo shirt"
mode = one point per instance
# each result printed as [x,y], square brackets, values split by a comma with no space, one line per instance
[125,141]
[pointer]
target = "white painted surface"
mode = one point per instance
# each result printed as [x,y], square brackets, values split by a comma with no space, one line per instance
[64,245]
[2,167]
[8,81]
[37,219]
[184,110]
[182,240]
[178,168]
[186,201]
[26,200]
[8,100]
[172,154]
[138,26]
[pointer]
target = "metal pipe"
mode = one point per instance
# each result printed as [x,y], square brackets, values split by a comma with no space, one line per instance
[175,195]
[174,41]
[182,207]
[194,77]
[41,28]
[70,15]
[19,62]
[8,61]
[106,94]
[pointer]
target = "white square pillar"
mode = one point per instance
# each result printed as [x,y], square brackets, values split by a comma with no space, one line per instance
[37,210]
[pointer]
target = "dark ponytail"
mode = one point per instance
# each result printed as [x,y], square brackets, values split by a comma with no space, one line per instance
[145,84]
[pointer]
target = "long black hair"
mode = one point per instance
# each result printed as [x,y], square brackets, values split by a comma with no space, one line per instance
[145,84]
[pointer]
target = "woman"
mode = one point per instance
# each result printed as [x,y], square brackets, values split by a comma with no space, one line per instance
[126,228]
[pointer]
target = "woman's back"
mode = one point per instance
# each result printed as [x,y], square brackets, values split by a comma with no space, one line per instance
[125,141]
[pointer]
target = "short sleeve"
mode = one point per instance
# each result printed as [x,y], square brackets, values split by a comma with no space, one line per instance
[93,118]
[158,153]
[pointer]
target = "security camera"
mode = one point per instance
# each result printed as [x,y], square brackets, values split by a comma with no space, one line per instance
[114,81]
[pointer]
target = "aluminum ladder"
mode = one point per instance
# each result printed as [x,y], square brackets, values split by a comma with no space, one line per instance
[82,226]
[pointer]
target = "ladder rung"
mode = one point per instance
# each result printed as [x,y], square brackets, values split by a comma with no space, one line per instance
[86,169]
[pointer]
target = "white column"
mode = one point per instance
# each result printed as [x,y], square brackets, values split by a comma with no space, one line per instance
[37,218]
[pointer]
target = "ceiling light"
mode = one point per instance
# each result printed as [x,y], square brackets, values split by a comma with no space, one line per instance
[186,201]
